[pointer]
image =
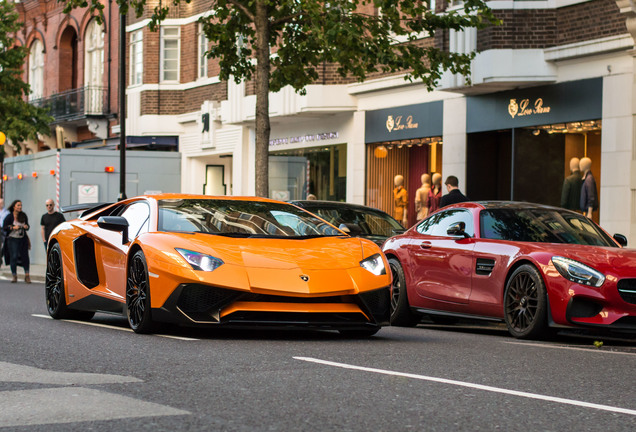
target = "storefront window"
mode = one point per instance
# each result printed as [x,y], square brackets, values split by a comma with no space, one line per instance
[531,163]
[319,171]
[407,158]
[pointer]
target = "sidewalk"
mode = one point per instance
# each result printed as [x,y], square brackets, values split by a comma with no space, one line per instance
[37,272]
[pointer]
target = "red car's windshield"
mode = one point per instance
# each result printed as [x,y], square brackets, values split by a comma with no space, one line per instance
[541,225]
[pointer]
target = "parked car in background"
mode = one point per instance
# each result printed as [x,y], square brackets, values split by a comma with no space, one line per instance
[204,261]
[355,219]
[529,265]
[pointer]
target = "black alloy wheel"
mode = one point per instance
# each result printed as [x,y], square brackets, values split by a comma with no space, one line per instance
[525,304]
[54,288]
[138,295]
[401,314]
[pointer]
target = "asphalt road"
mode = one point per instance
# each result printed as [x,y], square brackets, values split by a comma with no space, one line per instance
[98,376]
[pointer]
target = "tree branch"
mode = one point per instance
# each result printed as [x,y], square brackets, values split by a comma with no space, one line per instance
[245,10]
[286,19]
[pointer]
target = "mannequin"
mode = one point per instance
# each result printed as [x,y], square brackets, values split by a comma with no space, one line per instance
[421,197]
[435,193]
[589,193]
[571,192]
[401,200]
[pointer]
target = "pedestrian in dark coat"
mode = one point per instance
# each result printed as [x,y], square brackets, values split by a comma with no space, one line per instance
[571,192]
[454,195]
[15,226]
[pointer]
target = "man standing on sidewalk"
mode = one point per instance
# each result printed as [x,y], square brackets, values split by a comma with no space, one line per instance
[50,220]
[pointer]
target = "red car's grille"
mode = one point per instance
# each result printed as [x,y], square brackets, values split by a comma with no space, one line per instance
[627,290]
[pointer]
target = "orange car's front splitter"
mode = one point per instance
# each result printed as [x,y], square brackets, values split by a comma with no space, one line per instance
[291,307]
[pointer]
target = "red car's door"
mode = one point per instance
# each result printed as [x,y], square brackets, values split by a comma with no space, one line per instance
[441,264]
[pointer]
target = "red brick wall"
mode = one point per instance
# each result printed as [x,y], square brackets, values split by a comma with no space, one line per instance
[543,28]
[46,21]
[174,102]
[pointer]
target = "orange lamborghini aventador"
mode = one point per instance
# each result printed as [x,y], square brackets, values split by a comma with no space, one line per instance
[228,261]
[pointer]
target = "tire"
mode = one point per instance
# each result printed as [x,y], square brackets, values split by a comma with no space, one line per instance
[54,288]
[359,334]
[138,295]
[401,314]
[525,304]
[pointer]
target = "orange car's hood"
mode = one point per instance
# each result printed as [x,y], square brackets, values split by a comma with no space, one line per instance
[318,266]
[310,254]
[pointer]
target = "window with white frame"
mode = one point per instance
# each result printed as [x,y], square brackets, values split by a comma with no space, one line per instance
[203,47]
[170,54]
[136,57]
[94,68]
[36,70]
[94,60]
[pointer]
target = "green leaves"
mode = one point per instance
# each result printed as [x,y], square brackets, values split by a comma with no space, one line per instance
[19,120]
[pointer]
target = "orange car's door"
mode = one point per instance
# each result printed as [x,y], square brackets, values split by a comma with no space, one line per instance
[114,250]
[96,252]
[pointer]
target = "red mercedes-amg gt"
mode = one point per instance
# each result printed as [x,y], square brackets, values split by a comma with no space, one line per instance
[529,265]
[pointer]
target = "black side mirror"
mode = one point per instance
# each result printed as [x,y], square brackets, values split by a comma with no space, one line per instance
[457,230]
[621,239]
[352,229]
[115,223]
[397,231]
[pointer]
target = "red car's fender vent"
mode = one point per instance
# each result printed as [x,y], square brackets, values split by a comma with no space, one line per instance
[627,290]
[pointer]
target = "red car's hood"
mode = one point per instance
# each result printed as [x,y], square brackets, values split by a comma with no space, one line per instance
[607,260]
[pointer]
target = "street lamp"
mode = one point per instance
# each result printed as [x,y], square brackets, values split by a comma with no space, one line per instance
[122,106]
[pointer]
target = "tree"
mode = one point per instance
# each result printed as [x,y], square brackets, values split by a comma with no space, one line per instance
[19,120]
[285,42]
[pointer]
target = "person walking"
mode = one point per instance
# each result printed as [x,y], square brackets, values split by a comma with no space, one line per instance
[15,226]
[3,214]
[454,195]
[50,220]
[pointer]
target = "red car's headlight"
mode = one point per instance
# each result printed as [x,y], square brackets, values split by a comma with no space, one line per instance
[578,272]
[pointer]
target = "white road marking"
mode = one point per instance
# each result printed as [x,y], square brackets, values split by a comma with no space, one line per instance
[73,404]
[474,386]
[593,350]
[10,372]
[94,324]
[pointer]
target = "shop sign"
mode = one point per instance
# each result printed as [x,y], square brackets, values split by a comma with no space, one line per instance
[405,122]
[535,106]
[394,125]
[304,138]
[522,108]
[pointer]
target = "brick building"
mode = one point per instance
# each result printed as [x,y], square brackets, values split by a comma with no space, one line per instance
[553,82]
[72,68]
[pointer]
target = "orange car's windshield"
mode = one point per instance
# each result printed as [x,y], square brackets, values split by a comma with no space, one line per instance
[238,218]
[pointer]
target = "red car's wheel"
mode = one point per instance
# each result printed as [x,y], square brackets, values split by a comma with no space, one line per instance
[401,314]
[525,305]
[54,288]
[138,295]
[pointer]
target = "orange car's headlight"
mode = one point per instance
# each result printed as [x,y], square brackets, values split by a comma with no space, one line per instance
[200,261]
[374,264]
